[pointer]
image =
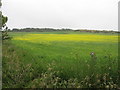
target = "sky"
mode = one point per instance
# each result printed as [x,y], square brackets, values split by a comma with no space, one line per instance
[73,14]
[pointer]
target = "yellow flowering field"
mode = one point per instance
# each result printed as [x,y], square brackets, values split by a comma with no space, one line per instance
[67,37]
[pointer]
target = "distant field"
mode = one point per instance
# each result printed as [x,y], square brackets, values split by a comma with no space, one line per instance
[71,52]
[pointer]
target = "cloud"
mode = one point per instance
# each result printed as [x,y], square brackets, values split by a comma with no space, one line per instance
[89,14]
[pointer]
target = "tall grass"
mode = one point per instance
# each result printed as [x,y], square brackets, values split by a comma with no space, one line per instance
[17,74]
[60,64]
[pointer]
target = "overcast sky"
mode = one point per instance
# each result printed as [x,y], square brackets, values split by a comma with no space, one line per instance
[75,14]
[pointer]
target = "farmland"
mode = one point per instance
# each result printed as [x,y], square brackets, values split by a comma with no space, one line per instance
[28,55]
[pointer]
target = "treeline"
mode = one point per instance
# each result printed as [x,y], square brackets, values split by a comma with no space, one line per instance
[39,30]
[51,30]
[97,31]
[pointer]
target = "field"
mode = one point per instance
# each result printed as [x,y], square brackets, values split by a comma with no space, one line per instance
[29,56]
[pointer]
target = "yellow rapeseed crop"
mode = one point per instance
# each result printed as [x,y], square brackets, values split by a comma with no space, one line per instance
[67,37]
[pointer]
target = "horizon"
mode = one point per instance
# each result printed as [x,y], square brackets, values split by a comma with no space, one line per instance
[62,28]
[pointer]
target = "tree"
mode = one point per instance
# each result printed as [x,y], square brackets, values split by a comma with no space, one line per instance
[3,21]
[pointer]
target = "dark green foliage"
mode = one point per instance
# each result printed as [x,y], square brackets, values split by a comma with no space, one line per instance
[38,30]
[5,35]
[4,20]
[56,30]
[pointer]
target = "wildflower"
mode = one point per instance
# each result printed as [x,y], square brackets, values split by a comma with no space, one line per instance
[98,81]
[107,86]
[92,54]
[49,69]
[109,68]
[90,85]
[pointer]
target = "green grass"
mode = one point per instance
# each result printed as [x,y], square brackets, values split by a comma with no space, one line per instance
[71,58]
